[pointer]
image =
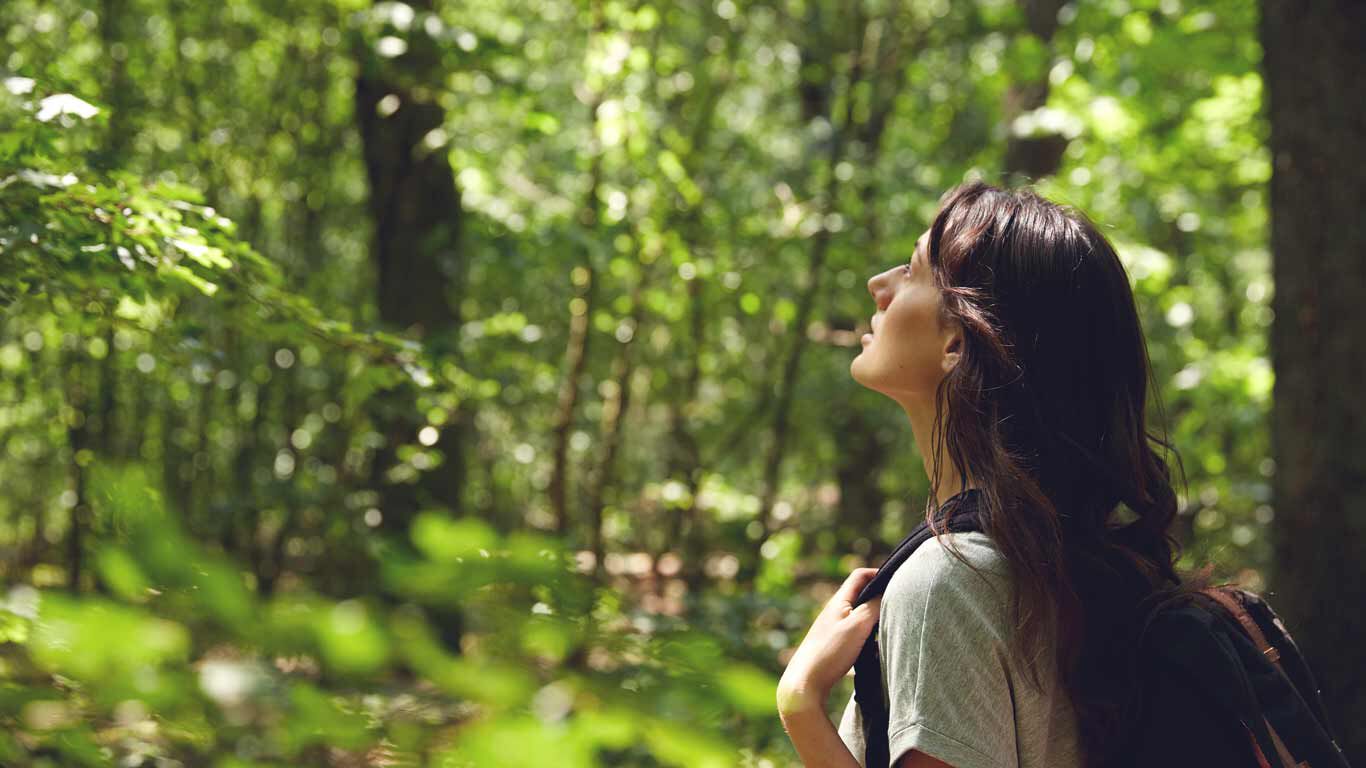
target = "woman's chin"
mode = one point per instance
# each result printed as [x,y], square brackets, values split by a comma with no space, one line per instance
[856,367]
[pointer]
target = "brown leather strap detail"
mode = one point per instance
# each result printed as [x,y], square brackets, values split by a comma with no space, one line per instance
[1286,758]
[1256,748]
[1235,607]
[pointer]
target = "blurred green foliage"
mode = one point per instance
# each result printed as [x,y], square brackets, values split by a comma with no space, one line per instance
[184,661]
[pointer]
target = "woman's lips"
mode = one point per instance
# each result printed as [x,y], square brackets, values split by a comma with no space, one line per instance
[866,338]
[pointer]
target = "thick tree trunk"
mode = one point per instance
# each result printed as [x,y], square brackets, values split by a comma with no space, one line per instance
[417,214]
[1315,54]
[415,206]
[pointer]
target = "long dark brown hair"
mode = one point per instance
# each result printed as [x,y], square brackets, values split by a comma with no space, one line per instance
[1046,413]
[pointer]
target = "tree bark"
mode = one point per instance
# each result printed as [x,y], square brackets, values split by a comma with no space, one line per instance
[416,209]
[1314,54]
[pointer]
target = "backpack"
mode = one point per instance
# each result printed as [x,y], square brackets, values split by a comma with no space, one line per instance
[1223,684]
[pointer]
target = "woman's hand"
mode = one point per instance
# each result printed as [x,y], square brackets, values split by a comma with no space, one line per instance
[830,647]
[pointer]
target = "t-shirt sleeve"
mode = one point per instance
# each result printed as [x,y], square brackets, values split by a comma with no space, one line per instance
[943,632]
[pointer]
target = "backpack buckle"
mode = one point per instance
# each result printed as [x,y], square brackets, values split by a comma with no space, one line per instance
[1273,654]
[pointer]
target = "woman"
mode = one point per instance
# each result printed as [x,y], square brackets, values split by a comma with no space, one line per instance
[1011,340]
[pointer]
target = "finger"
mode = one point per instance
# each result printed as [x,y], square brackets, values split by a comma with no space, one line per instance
[872,607]
[855,583]
[866,615]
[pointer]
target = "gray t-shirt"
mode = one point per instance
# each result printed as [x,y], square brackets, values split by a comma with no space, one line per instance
[952,689]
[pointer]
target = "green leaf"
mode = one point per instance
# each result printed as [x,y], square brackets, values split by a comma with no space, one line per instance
[445,539]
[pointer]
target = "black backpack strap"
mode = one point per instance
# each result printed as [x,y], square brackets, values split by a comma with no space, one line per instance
[868,690]
[872,709]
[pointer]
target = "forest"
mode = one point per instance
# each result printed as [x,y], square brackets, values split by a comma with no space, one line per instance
[466,383]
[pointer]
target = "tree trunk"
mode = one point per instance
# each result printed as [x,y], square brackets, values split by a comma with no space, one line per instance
[78,437]
[576,359]
[1032,156]
[1314,55]
[685,457]
[580,312]
[417,214]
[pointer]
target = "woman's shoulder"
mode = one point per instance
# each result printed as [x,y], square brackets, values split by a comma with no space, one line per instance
[967,603]
[934,568]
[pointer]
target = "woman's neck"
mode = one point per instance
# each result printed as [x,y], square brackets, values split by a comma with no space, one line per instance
[951,482]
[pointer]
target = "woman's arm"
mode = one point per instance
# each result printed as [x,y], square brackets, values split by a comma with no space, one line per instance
[819,744]
[824,656]
[817,741]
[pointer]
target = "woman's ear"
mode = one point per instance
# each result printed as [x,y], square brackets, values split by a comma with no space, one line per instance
[953,348]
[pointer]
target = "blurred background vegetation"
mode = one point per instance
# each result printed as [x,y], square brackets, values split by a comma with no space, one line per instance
[466,383]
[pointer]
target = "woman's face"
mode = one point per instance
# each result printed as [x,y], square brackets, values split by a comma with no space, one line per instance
[908,352]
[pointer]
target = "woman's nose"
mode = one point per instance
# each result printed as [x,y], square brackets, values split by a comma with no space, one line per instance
[877,286]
